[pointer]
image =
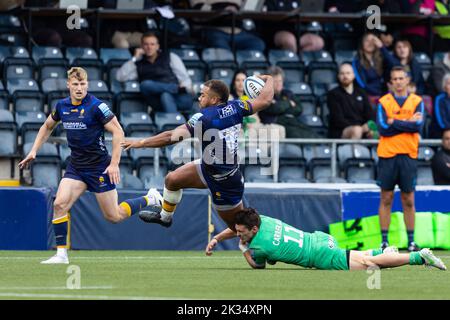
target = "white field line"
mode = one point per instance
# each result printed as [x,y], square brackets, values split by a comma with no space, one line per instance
[126,258]
[82,296]
[58,288]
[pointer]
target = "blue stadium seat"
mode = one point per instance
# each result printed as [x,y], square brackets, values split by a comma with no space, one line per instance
[43,55]
[52,85]
[181,153]
[222,73]
[13,52]
[251,59]
[292,174]
[316,56]
[344,56]
[109,54]
[425,62]
[356,162]
[277,56]
[18,68]
[186,55]
[28,101]
[314,122]
[252,173]
[131,86]
[46,168]
[217,55]
[94,68]
[8,134]
[14,85]
[29,123]
[322,72]
[52,69]
[4,98]
[168,121]
[438,56]
[308,104]
[73,53]
[129,181]
[14,38]
[139,121]
[9,21]
[130,102]
[299,88]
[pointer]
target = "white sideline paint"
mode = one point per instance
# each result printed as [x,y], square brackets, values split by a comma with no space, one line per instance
[58,288]
[126,258]
[74,296]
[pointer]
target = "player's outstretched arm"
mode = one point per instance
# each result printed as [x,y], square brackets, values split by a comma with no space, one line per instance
[113,170]
[248,256]
[160,140]
[42,136]
[224,235]
[265,97]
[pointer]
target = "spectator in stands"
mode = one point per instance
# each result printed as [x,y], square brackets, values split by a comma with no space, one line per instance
[404,56]
[399,118]
[7,5]
[220,35]
[417,34]
[164,80]
[440,69]
[441,39]
[350,110]
[441,112]
[440,164]
[251,122]
[285,109]
[369,63]
[283,34]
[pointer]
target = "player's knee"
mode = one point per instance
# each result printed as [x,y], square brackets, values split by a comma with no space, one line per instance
[114,218]
[408,202]
[171,181]
[60,207]
[386,199]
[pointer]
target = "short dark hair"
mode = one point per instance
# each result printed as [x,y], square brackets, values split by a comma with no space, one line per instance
[149,34]
[399,68]
[220,88]
[248,217]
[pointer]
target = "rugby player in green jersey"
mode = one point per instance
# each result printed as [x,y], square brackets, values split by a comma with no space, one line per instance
[264,239]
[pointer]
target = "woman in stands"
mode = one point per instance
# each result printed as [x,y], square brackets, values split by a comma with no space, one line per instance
[404,56]
[369,64]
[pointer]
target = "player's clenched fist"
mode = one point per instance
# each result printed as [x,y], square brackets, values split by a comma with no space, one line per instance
[28,159]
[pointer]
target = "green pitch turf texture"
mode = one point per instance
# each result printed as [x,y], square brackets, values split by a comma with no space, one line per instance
[192,275]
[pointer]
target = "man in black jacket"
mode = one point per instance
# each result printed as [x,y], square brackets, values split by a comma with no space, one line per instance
[440,164]
[349,107]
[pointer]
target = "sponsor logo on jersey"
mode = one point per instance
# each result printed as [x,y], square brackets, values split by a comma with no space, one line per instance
[74,125]
[226,111]
[74,110]
[105,110]
[101,180]
[81,113]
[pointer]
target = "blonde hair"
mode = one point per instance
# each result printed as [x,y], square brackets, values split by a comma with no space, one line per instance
[78,73]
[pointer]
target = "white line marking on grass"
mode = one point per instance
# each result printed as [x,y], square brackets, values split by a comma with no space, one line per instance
[58,288]
[83,297]
[126,258]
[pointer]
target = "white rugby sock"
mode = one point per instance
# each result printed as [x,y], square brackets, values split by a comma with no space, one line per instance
[171,199]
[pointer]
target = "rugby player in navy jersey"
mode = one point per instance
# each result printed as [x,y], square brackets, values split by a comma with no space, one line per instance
[85,118]
[217,125]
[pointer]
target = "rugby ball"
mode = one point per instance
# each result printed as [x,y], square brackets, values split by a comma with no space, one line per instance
[253,86]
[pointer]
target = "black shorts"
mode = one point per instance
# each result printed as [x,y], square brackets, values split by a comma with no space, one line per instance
[401,170]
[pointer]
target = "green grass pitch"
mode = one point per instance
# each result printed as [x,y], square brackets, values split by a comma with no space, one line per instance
[192,275]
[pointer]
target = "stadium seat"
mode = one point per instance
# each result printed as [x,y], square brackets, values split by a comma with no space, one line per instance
[73,53]
[342,56]
[54,97]
[438,56]
[318,159]
[316,56]
[321,89]
[29,123]
[130,102]
[222,73]
[168,121]
[109,54]
[54,69]
[14,38]
[131,86]
[322,72]
[46,168]
[425,154]
[95,86]
[299,88]
[424,174]
[28,101]
[356,162]
[292,174]
[140,121]
[186,54]
[14,85]
[41,53]
[129,181]
[293,68]
[308,104]
[314,122]
[251,59]
[425,62]
[217,55]
[54,85]
[252,173]
[4,98]
[94,68]
[9,21]
[344,41]
[18,68]
[277,56]
[292,164]
[13,52]
[181,153]
[291,154]
[145,163]
[8,134]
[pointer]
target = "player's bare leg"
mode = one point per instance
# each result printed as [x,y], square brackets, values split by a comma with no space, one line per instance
[183,177]
[229,215]
[361,261]
[69,190]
